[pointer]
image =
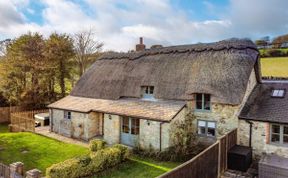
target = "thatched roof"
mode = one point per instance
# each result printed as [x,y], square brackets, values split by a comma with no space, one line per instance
[221,69]
[261,106]
[152,110]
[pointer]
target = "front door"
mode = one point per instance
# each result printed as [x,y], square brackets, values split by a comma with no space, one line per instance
[129,131]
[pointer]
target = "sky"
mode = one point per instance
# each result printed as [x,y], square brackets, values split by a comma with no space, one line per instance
[120,23]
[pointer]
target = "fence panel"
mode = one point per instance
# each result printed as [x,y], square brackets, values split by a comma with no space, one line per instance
[5,113]
[4,171]
[24,121]
[204,165]
[207,163]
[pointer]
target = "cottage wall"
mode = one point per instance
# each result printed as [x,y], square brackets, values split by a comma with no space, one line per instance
[260,139]
[149,136]
[81,126]
[112,129]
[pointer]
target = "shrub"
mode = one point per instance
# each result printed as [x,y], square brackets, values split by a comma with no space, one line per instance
[124,151]
[96,145]
[86,165]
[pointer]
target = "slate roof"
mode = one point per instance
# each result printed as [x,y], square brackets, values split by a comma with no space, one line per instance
[152,110]
[261,106]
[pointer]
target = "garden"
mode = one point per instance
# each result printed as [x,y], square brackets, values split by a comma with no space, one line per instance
[48,155]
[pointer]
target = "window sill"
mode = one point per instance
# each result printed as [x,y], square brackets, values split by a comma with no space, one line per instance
[285,145]
[206,136]
[202,111]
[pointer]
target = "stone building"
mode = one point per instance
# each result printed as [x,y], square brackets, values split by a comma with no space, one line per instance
[266,112]
[141,98]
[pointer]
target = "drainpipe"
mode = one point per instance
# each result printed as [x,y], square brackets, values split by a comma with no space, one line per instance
[250,133]
[160,139]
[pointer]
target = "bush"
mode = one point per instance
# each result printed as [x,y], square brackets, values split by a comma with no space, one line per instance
[88,164]
[124,151]
[96,145]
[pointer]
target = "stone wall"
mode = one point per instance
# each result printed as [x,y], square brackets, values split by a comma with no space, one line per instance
[260,139]
[112,128]
[149,136]
[82,125]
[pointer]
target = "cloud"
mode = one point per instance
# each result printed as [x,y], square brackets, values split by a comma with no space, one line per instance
[119,23]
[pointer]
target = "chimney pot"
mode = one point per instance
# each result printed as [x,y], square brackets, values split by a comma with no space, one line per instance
[140,46]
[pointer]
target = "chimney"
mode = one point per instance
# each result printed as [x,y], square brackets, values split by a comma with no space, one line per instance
[140,46]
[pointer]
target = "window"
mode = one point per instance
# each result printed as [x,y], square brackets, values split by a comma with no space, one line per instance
[206,128]
[67,115]
[278,93]
[125,125]
[135,126]
[279,134]
[203,102]
[148,92]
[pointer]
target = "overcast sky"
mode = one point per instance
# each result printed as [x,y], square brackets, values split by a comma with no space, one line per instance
[168,22]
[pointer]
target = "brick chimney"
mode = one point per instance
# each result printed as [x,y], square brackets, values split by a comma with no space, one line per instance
[140,46]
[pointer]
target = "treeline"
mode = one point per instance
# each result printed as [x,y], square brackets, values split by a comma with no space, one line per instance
[35,71]
[277,47]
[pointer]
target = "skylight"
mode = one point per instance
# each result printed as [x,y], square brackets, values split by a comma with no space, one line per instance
[278,93]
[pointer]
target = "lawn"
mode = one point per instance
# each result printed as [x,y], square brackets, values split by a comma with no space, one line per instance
[35,151]
[138,167]
[276,66]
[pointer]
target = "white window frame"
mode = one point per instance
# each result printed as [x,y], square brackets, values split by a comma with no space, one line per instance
[67,115]
[147,94]
[278,93]
[206,128]
[281,134]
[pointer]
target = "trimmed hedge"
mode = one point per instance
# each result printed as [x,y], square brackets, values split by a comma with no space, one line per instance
[89,164]
[96,145]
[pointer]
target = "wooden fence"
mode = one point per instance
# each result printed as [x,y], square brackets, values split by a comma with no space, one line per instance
[4,171]
[24,121]
[5,113]
[210,163]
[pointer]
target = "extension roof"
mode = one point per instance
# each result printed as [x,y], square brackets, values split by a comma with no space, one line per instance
[152,110]
[221,69]
[260,106]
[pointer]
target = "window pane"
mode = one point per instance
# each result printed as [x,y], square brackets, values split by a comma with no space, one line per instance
[151,90]
[206,101]
[275,128]
[211,132]
[125,121]
[285,130]
[198,101]
[285,139]
[275,138]
[281,93]
[135,131]
[211,124]
[202,130]
[125,128]
[202,123]
[275,92]
[146,90]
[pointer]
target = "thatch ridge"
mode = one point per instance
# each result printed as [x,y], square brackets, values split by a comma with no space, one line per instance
[221,69]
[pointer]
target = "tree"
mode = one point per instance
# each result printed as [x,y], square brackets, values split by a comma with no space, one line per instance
[59,51]
[278,41]
[261,43]
[86,49]
[23,63]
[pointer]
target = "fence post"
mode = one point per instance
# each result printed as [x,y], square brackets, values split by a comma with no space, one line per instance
[34,173]
[16,169]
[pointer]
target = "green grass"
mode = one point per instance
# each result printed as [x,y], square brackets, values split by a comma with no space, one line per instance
[35,151]
[4,128]
[138,167]
[276,66]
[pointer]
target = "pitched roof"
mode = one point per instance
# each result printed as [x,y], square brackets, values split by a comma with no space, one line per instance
[221,69]
[262,107]
[153,110]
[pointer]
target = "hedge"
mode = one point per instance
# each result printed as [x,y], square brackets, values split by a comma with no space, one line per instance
[96,145]
[89,164]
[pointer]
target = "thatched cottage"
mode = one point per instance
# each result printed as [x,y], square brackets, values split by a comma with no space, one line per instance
[266,112]
[139,98]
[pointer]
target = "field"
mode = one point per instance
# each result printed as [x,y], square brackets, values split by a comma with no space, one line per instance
[35,151]
[276,66]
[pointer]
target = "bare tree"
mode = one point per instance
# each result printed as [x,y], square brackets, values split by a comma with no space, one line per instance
[86,49]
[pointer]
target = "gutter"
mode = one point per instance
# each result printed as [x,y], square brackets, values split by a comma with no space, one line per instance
[250,132]
[160,138]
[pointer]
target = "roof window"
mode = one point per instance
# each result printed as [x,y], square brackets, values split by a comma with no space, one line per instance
[278,93]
